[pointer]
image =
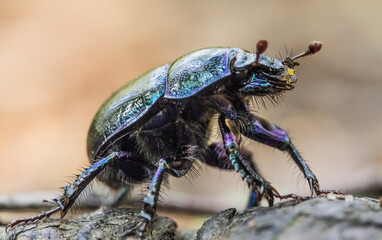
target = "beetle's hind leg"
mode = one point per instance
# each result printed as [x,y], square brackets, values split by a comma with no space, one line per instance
[261,187]
[71,191]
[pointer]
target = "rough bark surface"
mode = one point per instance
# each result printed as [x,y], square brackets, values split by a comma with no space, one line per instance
[105,224]
[318,218]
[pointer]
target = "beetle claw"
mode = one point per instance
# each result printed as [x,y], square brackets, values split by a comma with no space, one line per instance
[314,186]
[311,186]
[24,221]
[268,191]
[138,230]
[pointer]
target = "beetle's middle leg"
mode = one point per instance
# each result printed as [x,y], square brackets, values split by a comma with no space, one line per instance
[216,156]
[151,200]
[242,166]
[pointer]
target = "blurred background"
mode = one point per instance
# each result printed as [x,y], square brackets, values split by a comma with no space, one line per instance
[60,60]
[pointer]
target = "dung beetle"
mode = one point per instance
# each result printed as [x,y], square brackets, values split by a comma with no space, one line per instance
[160,123]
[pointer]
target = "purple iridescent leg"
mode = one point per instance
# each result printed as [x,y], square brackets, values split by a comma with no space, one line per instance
[216,156]
[264,132]
[72,191]
[256,181]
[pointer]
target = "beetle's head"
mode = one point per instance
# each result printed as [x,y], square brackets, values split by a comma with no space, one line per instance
[267,75]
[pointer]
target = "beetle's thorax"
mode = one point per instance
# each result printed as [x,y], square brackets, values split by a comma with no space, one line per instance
[175,128]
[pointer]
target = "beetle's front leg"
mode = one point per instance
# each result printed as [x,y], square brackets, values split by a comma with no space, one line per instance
[216,156]
[267,133]
[242,166]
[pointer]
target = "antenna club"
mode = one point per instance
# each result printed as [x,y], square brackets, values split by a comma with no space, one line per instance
[261,46]
[315,46]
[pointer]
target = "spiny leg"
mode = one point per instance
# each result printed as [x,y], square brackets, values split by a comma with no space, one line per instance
[216,156]
[242,166]
[262,131]
[150,201]
[72,191]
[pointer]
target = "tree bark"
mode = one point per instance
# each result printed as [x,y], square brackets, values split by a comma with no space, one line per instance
[105,224]
[318,218]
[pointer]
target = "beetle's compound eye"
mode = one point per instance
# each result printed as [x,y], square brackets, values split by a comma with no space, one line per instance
[288,62]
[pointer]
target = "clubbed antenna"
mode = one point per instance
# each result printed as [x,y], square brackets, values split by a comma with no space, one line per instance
[261,46]
[313,47]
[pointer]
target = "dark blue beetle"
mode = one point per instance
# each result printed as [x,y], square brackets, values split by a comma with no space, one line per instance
[159,124]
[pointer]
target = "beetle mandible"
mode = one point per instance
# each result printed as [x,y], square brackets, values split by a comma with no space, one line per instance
[158,124]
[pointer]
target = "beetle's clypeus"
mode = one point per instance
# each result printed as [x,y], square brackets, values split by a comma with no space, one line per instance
[158,124]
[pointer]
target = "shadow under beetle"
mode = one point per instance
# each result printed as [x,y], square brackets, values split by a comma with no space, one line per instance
[158,124]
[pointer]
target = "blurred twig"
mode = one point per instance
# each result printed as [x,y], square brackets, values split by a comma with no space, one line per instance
[178,201]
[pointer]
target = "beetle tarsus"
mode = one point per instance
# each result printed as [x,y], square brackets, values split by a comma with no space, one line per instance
[24,221]
[151,199]
[70,194]
[138,230]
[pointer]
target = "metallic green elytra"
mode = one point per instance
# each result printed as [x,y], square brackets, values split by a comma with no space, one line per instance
[125,107]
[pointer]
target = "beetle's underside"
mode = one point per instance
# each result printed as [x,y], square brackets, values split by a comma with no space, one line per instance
[172,129]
